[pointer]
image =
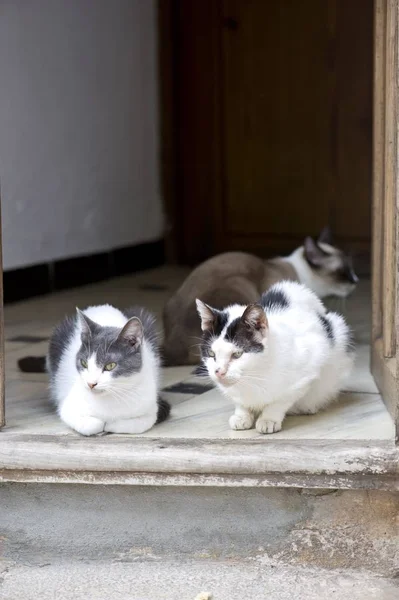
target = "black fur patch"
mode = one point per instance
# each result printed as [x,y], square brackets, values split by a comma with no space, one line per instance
[274,300]
[242,336]
[32,364]
[327,327]
[220,322]
[188,388]
[232,330]
[163,410]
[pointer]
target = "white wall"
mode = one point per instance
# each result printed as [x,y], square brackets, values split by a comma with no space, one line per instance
[78,127]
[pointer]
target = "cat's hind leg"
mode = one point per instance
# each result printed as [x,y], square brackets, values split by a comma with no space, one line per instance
[272,416]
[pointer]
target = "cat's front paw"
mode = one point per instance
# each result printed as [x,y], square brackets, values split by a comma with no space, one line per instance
[89,426]
[239,422]
[267,426]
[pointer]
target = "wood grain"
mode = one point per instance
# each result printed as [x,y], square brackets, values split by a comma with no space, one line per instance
[276,118]
[378,166]
[385,372]
[390,259]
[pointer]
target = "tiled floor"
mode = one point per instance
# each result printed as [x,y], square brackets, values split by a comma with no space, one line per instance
[198,410]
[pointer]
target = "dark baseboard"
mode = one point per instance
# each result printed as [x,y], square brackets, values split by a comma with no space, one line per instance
[20,284]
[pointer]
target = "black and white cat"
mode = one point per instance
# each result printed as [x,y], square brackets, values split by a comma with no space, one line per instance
[283,355]
[104,371]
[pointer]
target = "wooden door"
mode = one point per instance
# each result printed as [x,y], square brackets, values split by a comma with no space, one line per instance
[276,111]
[274,106]
[385,265]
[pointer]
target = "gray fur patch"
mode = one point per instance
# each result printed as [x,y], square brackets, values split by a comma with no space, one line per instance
[109,348]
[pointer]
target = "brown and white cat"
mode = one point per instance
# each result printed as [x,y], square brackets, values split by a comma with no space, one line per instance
[240,278]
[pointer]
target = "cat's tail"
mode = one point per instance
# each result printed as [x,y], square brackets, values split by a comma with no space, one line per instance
[32,364]
[163,410]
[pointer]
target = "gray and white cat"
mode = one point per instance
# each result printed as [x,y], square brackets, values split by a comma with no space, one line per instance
[283,355]
[238,277]
[104,371]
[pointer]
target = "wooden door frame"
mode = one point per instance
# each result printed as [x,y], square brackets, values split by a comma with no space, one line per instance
[385,235]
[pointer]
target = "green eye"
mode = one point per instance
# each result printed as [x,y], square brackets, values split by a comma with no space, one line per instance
[83,363]
[211,353]
[109,366]
[237,354]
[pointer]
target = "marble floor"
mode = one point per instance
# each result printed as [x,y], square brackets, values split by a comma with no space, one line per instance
[198,410]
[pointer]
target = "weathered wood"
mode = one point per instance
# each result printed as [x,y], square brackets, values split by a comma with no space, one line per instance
[385,321]
[390,178]
[2,356]
[122,459]
[386,378]
[378,165]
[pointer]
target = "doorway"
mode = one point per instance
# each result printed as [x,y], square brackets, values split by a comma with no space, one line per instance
[283,117]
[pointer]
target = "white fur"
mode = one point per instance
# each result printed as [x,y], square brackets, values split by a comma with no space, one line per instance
[118,405]
[300,370]
[321,285]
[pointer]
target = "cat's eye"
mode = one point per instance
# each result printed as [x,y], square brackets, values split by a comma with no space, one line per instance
[110,367]
[237,354]
[211,353]
[83,363]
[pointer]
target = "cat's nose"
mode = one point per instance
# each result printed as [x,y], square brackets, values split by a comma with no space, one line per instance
[92,385]
[220,373]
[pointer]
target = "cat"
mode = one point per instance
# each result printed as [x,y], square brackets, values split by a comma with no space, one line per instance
[283,355]
[237,277]
[104,371]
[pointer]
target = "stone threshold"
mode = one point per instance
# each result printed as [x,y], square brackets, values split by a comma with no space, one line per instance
[122,460]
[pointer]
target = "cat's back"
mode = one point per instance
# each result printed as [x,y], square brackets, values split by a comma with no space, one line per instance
[306,332]
[292,296]
[215,271]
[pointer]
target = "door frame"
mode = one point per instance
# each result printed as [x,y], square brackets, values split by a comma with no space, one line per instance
[385,201]
[385,235]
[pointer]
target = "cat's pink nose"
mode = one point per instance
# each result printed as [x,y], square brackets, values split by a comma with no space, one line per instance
[220,373]
[92,385]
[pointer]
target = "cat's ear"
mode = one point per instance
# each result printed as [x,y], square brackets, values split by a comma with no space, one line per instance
[313,254]
[132,333]
[326,236]
[87,326]
[254,319]
[207,315]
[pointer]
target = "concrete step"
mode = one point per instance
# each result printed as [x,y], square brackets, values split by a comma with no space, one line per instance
[160,579]
[351,529]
